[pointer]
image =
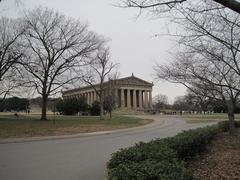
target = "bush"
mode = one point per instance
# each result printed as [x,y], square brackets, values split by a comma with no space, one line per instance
[72,106]
[95,108]
[161,158]
[147,161]
[151,169]
[191,142]
[14,104]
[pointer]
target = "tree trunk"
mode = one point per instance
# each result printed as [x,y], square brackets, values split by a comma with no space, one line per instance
[231,117]
[101,106]
[44,108]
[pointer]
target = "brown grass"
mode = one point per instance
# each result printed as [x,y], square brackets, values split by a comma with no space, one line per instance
[30,126]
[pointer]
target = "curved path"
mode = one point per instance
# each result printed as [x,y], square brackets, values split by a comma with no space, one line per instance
[82,158]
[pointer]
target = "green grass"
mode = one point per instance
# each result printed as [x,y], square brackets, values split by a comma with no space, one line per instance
[200,118]
[30,125]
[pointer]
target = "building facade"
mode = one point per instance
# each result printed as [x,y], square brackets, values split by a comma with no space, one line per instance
[129,92]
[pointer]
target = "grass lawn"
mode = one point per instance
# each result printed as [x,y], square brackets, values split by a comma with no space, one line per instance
[30,125]
[199,118]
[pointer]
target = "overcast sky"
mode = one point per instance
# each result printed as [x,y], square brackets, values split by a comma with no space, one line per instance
[132,39]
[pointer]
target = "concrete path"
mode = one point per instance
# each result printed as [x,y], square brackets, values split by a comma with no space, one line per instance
[79,158]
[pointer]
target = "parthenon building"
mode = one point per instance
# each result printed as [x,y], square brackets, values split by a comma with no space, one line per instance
[129,92]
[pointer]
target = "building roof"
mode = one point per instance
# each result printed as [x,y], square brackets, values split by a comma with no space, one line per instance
[130,80]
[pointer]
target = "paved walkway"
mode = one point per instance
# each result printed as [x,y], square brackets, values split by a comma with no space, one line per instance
[78,157]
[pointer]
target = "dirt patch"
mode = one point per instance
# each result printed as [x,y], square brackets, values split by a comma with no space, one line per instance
[221,161]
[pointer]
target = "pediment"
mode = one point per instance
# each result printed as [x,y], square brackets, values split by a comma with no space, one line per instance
[134,81]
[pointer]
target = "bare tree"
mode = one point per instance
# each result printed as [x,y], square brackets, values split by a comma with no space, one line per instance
[160,6]
[98,70]
[208,58]
[10,55]
[57,47]
[193,102]
[160,101]
[204,77]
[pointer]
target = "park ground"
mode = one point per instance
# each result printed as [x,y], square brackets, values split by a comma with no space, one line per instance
[78,158]
[202,118]
[222,159]
[30,126]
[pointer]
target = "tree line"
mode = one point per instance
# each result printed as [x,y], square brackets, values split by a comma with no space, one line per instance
[191,103]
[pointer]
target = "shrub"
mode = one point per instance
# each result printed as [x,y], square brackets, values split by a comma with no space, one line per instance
[191,142]
[95,108]
[147,161]
[72,106]
[139,152]
[151,169]
[14,104]
[161,158]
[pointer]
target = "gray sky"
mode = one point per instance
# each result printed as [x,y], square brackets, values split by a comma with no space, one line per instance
[132,39]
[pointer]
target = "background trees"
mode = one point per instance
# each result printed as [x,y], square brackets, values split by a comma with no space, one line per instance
[160,102]
[57,47]
[14,104]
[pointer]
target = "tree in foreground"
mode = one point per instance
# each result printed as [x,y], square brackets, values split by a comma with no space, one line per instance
[207,61]
[57,47]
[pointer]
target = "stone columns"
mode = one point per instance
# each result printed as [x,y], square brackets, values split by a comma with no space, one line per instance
[116,97]
[146,99]
[150,99]
[140,98]
[95,96]
[122,98]
[134,99]
[88,98]
[128,98]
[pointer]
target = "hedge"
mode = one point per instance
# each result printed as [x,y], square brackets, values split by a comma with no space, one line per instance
[151,160]
[162,158]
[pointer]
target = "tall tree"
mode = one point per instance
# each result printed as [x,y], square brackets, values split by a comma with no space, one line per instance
[57,47]
[99,68]
[10,55]
[207,61]
[204,77]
